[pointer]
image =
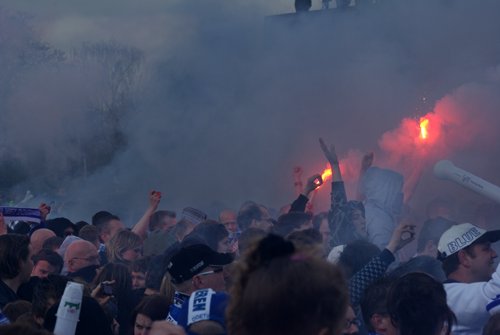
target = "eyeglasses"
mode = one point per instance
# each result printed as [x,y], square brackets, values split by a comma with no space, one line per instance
[215,270]
[353,322]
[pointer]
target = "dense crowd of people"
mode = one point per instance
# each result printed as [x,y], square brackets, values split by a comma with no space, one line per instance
[351,270]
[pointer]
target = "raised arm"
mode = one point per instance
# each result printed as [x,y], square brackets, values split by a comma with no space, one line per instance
[299,205]
[141,227]
[401,237]
[338,194]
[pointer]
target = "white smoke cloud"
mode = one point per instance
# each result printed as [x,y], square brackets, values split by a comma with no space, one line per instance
[229,101]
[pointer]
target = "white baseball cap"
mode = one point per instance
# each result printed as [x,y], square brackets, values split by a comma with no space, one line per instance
[463,235]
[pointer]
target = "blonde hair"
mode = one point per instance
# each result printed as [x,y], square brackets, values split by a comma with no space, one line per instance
[119,243]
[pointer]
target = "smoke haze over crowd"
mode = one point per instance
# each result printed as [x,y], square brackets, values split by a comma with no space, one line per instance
[213,103]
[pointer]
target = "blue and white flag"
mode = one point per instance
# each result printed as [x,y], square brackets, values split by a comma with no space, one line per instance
[11,214]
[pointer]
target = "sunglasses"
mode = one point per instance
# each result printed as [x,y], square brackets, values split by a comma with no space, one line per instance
[215,270]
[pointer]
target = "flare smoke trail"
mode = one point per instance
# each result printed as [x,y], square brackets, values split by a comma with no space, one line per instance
[220,102]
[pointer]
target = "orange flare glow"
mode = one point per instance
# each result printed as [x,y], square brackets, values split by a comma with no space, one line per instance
[326,174]
[424,123]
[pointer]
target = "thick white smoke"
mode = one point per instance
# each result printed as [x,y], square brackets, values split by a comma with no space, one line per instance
[225,101]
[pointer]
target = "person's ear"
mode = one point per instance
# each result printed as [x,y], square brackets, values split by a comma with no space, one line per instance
[197,282]
[464,258]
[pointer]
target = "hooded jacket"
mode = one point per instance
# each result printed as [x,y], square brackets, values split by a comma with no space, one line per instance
[383,191]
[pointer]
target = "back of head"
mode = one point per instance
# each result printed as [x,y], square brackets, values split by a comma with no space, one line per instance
[417,305]
[60,226]
[425,264]
[46,292]
[53,243]
[118,273]
[15,309]
[51,257]
[432,231]
[89,233]
[290,222]
[374,300]
[156,220]
[277,291]
[98,217]
[356,255]
[211,232]
[440,207]
[154,307]
[248,212]
[249,237]
[308,241]
[493,325]
[39,236]
[13,249]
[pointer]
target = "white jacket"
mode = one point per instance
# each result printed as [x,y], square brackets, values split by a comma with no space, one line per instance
[382,189]
[468,302]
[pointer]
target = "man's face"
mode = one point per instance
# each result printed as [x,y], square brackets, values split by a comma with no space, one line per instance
[481,261]
[359,222]
[265,222]
[224,245]
[43,269]
[85,256]
[382,324]
[212,277]
[138,280]
[351,323]
[228,219]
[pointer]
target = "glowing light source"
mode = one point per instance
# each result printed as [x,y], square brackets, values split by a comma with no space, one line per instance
[424,133]
[326,174]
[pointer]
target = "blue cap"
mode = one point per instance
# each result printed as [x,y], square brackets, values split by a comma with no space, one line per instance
[204,305]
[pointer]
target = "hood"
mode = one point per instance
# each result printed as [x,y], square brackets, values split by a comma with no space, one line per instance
[384,188]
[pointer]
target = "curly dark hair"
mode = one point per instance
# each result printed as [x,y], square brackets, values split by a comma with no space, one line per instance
[278,291]
[417,305]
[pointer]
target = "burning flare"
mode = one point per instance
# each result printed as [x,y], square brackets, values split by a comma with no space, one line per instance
[424,123]
[326,174]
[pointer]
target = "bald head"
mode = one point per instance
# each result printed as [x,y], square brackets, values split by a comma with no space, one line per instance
[80,254]
[228,218]
[38,237]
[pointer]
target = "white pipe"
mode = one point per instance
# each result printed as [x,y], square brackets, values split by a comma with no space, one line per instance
[447,170]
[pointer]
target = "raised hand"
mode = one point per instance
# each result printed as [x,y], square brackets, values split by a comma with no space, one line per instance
[401,237]
[154,199]
[330,153]
[313,183]
[44,210]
